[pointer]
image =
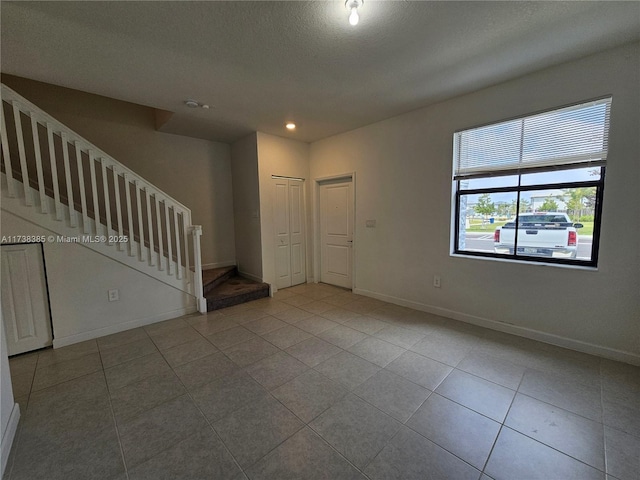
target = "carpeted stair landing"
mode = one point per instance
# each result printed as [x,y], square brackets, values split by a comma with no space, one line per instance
[224,287]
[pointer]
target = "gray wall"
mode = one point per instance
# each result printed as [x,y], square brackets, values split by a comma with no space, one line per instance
[287,158]
[246,206]
[403,171]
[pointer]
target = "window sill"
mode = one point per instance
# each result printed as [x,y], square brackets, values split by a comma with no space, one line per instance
[525,262]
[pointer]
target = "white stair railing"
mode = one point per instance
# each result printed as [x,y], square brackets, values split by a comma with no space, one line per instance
[97,195]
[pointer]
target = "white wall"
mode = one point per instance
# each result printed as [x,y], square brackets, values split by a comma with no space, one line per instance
[287,158]
[246,206]
[9,409]
[404,170]
[195,172]
[79,279]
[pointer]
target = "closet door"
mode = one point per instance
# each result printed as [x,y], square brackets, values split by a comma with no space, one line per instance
[289,226]
[297,230]
[25,307]
[283,233]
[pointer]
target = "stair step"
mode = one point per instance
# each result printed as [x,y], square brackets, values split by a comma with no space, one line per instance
[233,291]
[216,276]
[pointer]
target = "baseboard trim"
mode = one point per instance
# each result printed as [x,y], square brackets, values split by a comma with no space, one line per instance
[139,322]
[550,338]
[209,266]
[250,276]
[9,436]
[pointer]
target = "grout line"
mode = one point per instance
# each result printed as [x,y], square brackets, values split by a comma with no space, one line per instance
[206,420]
[475,348]
[502,425]
[270,394]
[554,448]
[115,423]
[604,428]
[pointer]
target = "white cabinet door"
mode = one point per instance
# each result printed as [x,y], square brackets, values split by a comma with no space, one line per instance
[336,233]
[25,307]
[289,225]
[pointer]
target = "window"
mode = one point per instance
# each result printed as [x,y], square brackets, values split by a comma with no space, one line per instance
[531,188]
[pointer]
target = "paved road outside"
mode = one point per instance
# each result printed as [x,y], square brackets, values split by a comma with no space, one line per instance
[483,242]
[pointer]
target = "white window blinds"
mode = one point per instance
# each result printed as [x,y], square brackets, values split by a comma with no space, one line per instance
[568,137]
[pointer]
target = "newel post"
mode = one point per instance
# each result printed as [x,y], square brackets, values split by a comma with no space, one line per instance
[196,231]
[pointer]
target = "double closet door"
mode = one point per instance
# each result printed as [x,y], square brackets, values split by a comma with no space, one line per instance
[289,224]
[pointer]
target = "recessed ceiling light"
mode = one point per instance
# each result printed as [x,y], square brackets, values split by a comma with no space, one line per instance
[290,126]
[191,103]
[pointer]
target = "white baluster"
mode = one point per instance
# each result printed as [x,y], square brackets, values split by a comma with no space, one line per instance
[169,249]
[160,239]
[140,227]
[149,225]
[185,238]
[23,158]
[44,206]
[177,235]
[94,191]
[54,173]
[129,213]
[107,204]
[83,195]
[196,231]
[116,187]
[67,175]
[5,154]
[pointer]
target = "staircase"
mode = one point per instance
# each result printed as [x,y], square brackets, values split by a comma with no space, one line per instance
[223,287]
[54,178]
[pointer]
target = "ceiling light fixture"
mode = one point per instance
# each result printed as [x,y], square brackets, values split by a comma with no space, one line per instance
[194,104]
[353,6]
[290,126]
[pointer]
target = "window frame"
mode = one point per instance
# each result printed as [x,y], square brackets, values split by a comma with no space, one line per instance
[597,220]
[519,189]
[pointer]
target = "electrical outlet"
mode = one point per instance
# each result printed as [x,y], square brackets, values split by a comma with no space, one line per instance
[436,281]
[114,295]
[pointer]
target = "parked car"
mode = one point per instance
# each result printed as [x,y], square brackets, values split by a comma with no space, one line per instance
[541,234]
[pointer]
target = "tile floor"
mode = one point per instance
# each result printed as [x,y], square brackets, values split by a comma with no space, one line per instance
[321,383]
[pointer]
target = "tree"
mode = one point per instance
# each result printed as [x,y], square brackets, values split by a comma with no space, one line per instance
[525,206]
[502,209]
[549,205]
[578,200]
[485,206]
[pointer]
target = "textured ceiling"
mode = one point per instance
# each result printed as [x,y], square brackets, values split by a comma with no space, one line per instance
[259,64]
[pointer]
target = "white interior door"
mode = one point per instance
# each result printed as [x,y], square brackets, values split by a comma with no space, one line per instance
[25,309]
[297,220]
[289,225]
[336,233]
[283,233]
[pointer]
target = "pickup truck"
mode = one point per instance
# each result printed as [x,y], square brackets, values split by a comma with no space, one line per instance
[548,234]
